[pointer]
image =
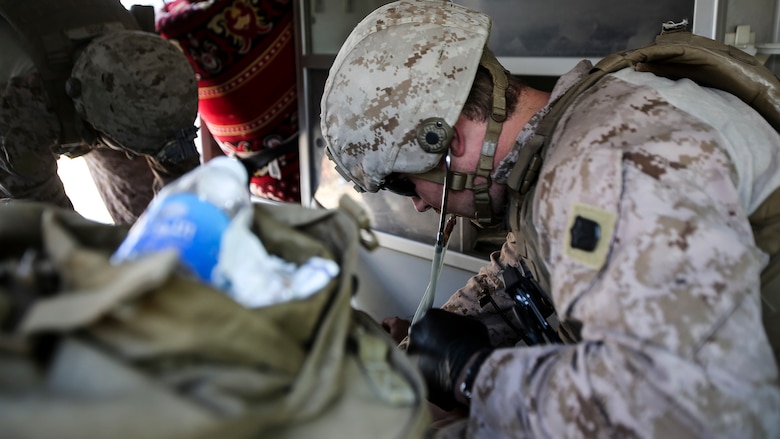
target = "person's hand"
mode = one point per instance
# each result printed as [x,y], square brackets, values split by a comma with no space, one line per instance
[443,343]
[397,327]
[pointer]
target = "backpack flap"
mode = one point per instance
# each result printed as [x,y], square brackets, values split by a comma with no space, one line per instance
[292,369]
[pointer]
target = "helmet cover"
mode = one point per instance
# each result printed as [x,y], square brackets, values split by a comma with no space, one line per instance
[406,62]
[136,89]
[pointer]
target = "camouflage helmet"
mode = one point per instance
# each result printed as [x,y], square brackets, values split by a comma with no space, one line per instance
[136,90]
[397,86]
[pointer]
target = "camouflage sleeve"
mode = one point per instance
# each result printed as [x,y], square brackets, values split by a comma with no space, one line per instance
[672,342]
[471,300]
[28,134]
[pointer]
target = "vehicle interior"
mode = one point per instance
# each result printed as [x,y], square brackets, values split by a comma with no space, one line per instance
[551,42]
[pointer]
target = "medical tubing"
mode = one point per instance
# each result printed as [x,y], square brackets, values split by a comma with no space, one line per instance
[440,248]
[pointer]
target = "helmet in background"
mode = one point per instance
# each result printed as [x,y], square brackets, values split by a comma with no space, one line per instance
[397,87]
[136,90]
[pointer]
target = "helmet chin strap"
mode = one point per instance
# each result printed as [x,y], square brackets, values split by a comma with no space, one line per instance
[482,199]
[480,180]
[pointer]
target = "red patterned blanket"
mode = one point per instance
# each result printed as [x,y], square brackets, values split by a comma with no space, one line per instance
[243,53]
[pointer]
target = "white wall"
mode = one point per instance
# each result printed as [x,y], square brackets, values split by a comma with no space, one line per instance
[81,189]
[393,278]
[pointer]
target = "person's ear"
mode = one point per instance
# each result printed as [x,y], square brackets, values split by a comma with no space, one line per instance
[457,148]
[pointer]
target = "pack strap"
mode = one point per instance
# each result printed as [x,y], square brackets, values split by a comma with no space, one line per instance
[679,54]
[675,54]
[524,174]
[765,221]
[266,156]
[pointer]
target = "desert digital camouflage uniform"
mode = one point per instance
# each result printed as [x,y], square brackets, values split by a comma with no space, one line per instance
[671,341]
[31,135]
[28,163]
[664,313]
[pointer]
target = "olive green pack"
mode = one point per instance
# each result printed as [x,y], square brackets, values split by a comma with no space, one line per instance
[679,54]
[90,349]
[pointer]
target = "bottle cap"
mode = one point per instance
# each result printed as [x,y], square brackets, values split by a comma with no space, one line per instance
[231,165]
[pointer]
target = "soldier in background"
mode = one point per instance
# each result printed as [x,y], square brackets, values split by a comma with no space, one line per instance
[81,77]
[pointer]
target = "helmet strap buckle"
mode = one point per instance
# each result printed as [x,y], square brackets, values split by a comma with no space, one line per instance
[180,149]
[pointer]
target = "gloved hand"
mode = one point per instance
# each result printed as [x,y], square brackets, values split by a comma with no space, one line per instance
[442,343]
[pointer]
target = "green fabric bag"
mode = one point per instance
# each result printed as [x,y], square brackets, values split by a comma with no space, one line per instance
[93,350]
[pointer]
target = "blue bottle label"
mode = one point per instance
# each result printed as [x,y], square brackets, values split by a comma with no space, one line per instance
[183,222]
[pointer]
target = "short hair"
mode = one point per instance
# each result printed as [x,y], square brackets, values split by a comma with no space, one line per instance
[479,104]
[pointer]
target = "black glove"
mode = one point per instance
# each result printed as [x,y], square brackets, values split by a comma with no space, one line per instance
[443,343]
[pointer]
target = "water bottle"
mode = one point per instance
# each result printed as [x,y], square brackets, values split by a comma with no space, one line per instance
[191,215]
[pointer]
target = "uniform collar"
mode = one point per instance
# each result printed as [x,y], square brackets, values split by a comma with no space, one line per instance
[564,83]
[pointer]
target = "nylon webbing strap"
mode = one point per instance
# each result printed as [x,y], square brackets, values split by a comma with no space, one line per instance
[180,149]
[714,64]
[458,180]
[266,156]
[524,174]
[484,210]
[765,222]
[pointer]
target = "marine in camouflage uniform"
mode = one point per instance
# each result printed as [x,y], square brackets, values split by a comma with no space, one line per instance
[671,336]
[28,165]
[663,310]
[36,127]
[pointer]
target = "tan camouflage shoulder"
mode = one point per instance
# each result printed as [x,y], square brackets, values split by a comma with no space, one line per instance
[471,301]
[668,294]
